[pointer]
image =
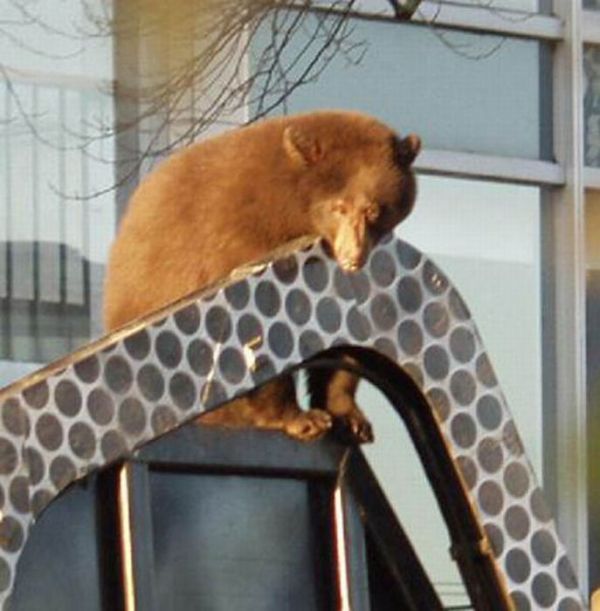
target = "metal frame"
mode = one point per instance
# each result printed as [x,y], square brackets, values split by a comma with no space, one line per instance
[469,546]
[200,452]
[489,167]
[564,368]
[358,510]
[207,451]
[473,18]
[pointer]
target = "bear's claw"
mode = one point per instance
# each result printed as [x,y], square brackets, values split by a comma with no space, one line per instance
[308,426]
[354,428]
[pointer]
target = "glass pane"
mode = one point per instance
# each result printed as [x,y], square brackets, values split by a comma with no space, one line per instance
[56,156]
[58,38]
[486,237]
[466,92]
[591,105]
[593,4]
[399,471]
[207,528]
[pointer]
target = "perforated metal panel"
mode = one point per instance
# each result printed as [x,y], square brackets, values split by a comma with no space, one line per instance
[103,402]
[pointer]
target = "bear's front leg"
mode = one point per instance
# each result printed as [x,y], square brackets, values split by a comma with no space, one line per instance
[335,390]
[273,407]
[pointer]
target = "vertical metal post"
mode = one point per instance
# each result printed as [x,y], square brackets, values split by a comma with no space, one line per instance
[564,258]
[62,188]
[8,254]
[126,64]
[37,223]
[341,551]
[126,537]
[85,217]
[135,529]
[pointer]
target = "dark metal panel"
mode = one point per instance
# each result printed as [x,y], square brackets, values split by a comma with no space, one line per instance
[357,554]
[216,448]
[226,542]
[60,569]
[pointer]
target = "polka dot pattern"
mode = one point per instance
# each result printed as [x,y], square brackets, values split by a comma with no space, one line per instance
[94,408]
[188,319]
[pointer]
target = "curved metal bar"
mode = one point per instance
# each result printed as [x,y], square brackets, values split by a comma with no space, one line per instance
[470,546]
[102,403]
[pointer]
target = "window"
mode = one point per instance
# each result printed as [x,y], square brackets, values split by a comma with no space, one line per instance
[56,155]
[467,92]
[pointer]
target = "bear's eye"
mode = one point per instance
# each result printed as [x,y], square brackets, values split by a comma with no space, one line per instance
[372,213]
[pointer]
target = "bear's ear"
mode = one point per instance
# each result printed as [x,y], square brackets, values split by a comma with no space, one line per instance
[407,149]
[301,147]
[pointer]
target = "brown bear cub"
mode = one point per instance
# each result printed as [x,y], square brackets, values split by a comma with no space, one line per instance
[232,199]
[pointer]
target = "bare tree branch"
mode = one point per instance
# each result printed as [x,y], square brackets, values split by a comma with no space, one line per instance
[212,59]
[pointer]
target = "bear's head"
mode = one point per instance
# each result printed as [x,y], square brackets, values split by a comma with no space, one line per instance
[356,177]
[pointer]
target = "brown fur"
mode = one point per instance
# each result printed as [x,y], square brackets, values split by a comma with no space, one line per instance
[229,200]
